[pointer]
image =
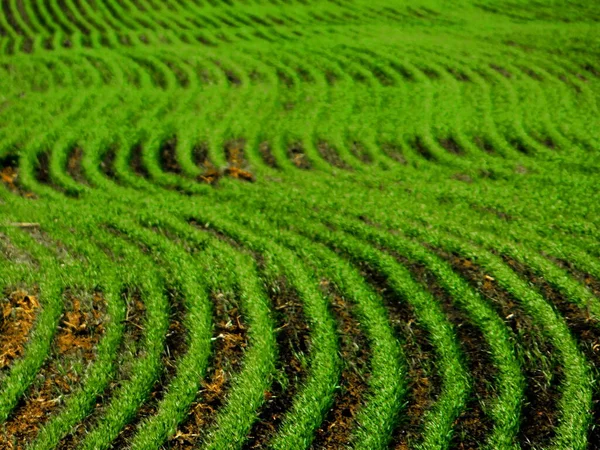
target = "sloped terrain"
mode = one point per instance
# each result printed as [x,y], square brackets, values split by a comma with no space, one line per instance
[289,224]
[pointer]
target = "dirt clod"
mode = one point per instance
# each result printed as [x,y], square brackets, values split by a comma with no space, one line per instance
[230,340]
[19,311]
[80,329]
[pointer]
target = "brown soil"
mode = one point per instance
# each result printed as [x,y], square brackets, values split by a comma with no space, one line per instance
[293,336]
[297,155]
[9,175]
[484,144]
[489,210]
[237,166]
[267,154]
[335,431]
[422,149]
[200,156]
[230,342]
[459,76]
[330,154]
[539,415]
[107,165]
[137,161]
[42,168]
[451,145]
[585,278]
[80,329]
[168,156]
[19,311]
[473,425]
[176,346]
[74,168]
[424,381]
[129,351]
[394,151]
[584,327]
[501,70]
[360,152]
[14,254]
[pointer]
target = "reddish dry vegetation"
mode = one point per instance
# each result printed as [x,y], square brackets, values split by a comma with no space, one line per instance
[19,311]
[237,166]
[298,157]
[9,176]
[79,332]
[132,335]
[236,161]
[229,345]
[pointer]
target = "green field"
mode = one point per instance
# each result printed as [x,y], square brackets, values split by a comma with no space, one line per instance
[293,224]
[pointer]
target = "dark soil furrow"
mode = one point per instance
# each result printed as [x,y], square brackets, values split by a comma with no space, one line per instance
[129,350]
[74,168]
[175,346]
[293,340]
[137,161]
[335,431]
[592,283]
[472,427]
[331,155]
[81,327]
[168,156]
[297,156]
[544,375]
[266,153]
[230,340]
[107,165]
[424,381]
[585,328]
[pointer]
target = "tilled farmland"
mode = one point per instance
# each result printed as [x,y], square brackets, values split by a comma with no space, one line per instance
[299,224]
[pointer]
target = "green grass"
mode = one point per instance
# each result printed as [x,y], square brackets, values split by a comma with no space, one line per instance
[379,135]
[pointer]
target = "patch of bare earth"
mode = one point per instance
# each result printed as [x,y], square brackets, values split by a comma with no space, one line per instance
[336,430]
[9,176]
[472,427]
[293,340]
[424,380]
[128,352]
[175,347]
[543,374]
[168,156]
[74,165]
[298,156]
[19,311]
[237,166]
[73,349]
[582,325]
[230,340]
[331,155]
[266,153]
